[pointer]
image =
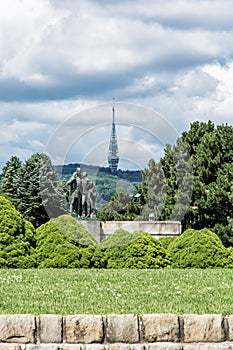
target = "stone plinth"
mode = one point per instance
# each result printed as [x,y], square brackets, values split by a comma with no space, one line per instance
[157,229]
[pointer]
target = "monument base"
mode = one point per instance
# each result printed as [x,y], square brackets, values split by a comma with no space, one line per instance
[157,229]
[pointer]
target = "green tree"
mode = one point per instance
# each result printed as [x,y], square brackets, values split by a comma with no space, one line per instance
[165,190]
[29,201]
[154,191]
[51,188]
[9,174]
[38,196]
[211,157]
[116,208]
[225,232]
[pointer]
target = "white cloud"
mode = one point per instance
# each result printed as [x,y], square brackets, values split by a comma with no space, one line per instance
[60,57]
[24,24]
[195,83]
[220,103]
[47,43]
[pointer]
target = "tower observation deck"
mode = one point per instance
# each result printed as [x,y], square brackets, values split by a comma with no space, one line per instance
[113,155]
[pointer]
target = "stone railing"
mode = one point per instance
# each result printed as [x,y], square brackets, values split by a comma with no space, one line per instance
[116,332]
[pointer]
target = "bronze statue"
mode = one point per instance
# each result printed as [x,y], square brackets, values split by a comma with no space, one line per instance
[82,195]
[75,193]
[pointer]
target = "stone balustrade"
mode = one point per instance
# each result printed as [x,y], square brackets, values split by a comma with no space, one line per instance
[116,332]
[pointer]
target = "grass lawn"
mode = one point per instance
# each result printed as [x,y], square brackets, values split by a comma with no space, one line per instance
[66,291]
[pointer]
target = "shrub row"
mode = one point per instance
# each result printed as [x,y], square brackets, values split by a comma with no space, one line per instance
[65,243]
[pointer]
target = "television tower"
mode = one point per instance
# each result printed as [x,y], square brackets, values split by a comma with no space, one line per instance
[113,157]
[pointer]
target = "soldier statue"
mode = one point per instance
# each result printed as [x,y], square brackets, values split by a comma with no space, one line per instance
[82,195]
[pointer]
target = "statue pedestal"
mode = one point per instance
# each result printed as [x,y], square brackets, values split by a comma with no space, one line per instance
[157,229]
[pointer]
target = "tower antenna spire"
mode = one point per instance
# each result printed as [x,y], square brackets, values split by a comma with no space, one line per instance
[113,156]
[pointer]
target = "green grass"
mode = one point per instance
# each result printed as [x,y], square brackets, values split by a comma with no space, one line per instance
[66,291]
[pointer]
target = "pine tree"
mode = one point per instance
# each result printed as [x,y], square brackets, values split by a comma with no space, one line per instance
[38,198]
[9,174]
[29,201]
[51,189]
[154,191]
[213,174]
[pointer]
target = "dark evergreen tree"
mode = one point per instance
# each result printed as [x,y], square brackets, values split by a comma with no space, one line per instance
[38,197]
[9,173]
[29,201]
[154,191]
[211,157]
[52,189]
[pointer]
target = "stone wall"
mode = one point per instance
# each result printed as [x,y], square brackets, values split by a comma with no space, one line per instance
[103,229]
[116,332]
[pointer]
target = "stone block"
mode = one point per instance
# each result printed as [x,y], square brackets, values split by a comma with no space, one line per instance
[230,327]
[203,328]
[159,327]
[83,329]
[41,347]
[50,329]
[119,347]
[122,329]
[94,347]
[17,328]
[164,346]
[219,346]
[7,346]
[138,347]
[71,347]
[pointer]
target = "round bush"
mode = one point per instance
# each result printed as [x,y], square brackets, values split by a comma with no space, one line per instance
[74,230]
[119,238]
[16,237]
[166,241]
[64,242]
[53,249]
[198,249]
[132,250]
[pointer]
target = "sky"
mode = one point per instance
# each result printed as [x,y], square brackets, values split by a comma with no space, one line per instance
[167,63]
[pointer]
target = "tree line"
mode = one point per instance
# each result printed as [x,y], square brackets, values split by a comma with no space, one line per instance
[192,182]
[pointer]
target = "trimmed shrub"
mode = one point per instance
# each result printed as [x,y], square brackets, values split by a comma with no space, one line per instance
[131,250]
[145,253]
[120,238]
[64,242]
[53,249]
[198,249]
[74,230]
[166,241]
[16,237]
